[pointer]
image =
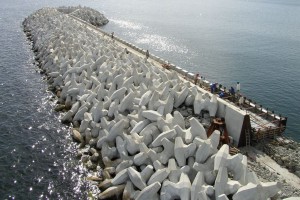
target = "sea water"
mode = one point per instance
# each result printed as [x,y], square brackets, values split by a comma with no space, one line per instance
[254,42]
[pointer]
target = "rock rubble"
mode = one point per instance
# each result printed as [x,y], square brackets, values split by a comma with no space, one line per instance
[86,14]
[286,154]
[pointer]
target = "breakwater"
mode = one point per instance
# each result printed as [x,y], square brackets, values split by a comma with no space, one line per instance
[250,118]
[122,107]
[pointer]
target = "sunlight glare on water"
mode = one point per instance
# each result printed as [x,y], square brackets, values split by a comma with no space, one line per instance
[126,24]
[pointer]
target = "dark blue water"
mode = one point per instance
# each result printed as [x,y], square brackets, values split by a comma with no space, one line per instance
[37,159]
[254,42]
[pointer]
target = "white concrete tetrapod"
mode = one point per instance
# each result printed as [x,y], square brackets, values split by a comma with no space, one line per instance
[182,151]
[204,151]
[168,151]
[237,165]
[111,163]
[126,103]
[149,133]
[180,97]
[151,115]
[175,171]
[154,98]
[140,126]
[147,172]
[80,114]
[116,130]
[109,152]
[118,94]
[150,192]
[136,178]
[159,176]
[198,103]
[223,185]
[165,124]
[184,133]
[132,145]
[221,157]
[120,177]
[113,191]
[122,151]
[213,106]
[178,119]
[169,104]
[257,192]
[170,134]
[208,165]
[197,129]
[189,101]
[145,98]
[181,190]
[222,197]
[113,108]
[129,192]
[141,159]
[123,165]
[199,189]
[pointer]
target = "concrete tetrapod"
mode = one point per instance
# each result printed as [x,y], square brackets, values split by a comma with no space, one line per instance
[112,192]
[182,151]
[150,192]
[200,190]
[136,178]
[207,147]
[257,192]
[181,190]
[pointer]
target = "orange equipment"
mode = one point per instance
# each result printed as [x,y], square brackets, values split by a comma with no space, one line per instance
[219,124]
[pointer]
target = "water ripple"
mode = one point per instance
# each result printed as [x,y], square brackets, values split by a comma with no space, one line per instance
[37,154]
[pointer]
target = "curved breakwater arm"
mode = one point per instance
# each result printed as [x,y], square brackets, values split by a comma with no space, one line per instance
[122,104]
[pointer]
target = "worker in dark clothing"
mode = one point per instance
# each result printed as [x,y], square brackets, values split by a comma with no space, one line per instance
[212,87]
[196,79]
[221,95]
[126,51]
[147,54]
[232,92]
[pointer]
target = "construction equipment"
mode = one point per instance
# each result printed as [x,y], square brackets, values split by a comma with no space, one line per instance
[219,124]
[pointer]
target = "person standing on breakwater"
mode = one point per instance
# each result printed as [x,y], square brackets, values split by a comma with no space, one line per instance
[112,35]
[126,51]
[232,92]
[238,88]
[147,54]
[212,87]
[196,78]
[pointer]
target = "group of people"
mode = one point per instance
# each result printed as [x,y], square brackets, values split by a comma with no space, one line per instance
[222,94]
[231,92]
[215,88]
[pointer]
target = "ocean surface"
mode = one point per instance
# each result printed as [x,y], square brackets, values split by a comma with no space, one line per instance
[255,42]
